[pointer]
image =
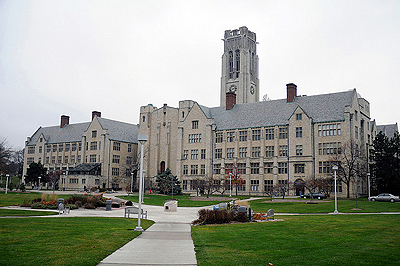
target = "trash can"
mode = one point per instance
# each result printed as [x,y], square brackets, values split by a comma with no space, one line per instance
[108,205]
[242,209]
[60,200]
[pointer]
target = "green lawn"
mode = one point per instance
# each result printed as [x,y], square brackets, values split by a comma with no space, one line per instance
[324,206]
[63,240]
[14,198]
[8,212]
[302,240]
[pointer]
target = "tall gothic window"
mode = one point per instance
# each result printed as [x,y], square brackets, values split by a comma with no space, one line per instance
[237,63]
[230,64]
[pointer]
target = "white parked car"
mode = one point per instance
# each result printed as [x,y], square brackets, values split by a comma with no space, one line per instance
[385,197]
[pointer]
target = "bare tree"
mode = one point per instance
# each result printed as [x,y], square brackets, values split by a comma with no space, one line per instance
[233,177]
[5,155]
[266,98]
[282,188]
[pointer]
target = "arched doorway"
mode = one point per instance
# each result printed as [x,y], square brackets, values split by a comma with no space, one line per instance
[162,167]
[299,186]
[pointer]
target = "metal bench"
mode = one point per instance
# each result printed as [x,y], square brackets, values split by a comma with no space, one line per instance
[62,209]
[269,215]
[134,210]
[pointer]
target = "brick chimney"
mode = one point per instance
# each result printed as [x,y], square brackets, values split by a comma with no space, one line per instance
[64,121]
[96,113]
[230,100]
[291,89]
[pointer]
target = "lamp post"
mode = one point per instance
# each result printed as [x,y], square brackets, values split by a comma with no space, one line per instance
[335,168]
[230,184]
[142,140]
[131,182]
[39,183]
[143,185]
[369,184]
[7,175]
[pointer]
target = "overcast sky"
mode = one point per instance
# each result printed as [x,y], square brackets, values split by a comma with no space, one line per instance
[73,57]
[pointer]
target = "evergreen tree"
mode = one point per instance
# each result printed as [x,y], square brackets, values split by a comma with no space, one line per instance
[168,183]
[34,171]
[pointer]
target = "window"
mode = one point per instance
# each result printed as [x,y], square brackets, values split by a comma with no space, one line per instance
[185,154]
[283,133]
[54,148]
[243,135]
[47,160]
[268,186]
[202,169]
[241,168]
[283,151]
[65,159]
[194,169]
[268,168]
[228,168]
[242,187]
[115,171]
[218,153]
[185,169]
[255,168]
[230,64]
[53,159]
[80,146]
[116,146]
[48,148]
[230,153]
[115,159]
[299,150]
[219,137]
[79,158]
[97,181]
[299,168]
[94,133]
[282,168]
[356,132]
[83,181]
[256,134]
[325,167]
[59,160]
[269,151]
[243,152]
[67,147]
[329,130]
[217,169]
[40,149]
[194,154]
[230,136]
[194,138]
[237,66]
[129,147]
[93,145]
[299,116]
[255,152]
[203,154]
[73,147]
[195,124]
[269,133]
[73,159]
[254,185]
[60,147]
[29,160]
[282,182]
[184,184]
[129,160]
[143,119]
[299,132]
[73,181]
[92,158]
[329,148]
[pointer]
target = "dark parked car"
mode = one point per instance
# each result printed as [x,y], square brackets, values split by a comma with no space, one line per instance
[385,197]
[315,196]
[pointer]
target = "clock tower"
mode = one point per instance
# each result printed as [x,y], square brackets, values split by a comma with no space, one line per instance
[240,66]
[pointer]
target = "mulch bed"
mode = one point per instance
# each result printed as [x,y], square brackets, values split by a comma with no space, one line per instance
[210,199]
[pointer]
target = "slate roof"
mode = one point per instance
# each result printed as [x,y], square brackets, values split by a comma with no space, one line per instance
[321,108]
[388,130]
[118,131]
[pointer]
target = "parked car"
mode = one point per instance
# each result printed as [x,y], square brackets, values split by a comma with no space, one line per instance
[385,197]
[315,196]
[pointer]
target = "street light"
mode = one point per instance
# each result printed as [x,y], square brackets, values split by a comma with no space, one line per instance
[131,182]
[39,183]
[7,175]
[335,168]
[142,140]
[230,184]
[143,183]
[369,185]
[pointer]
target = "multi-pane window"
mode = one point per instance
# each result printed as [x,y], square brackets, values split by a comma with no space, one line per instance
[283,182]
[242,187]
[73,147]
[54,147]
[203,154]
[329,148]
[79,158]
[230,153]
[29,160]
[299,116]
[217,169]
[59,160]
[268,186]
[47,160]
[194,169]
[243,135]
[325,167]
[73,181]
[256,134]
[299,168]
[53,159]
[254,185]
[269,133]
[202,169]
[48,148]
[299,132]
[255,168]
[60,147]
[93,145]
[67,146]
[184,184]
[129,160]
[229,168]
[268,168]
[115,159]
[329,130]
[116,146]
[80,146]
[230,136]
[299,150]
[219,137]
[194,138]
[185,154]
[115,171]
[282,168]
[255,152]
[283,151]
[194,154]
[94,133]
[97,181]
[129,147]
[218,153]
[66,159]
[356,132]
[243,152]
[72,158]
[92,158]
[195,124]
[40,149]
[269,151]
[283,133]
[241,168]
[185,169]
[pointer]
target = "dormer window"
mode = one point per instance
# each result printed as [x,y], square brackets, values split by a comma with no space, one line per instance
[94,133]
[299,116]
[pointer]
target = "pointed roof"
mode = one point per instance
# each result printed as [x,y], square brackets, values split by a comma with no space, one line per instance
[388,130]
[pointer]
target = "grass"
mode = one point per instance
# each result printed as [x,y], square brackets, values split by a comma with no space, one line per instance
[14,198]
[7,212]
[183,200]
[302,240]
[63,240]
[324,206]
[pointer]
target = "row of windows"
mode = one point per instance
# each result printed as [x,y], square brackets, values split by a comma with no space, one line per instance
[73,159]
[254,184]
[94,145]
[194,154]
[194,169]
[255,135]
[255,168]
[256,152]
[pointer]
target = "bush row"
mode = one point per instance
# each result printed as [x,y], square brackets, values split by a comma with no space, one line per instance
[220,217]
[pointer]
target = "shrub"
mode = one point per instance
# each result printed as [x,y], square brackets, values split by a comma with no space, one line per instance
[213,217]
[44,197]
[240,217]
[37,200]
[115,205]
[38,205]
[89,206]
[52,207]
[53,197]
[22,187]
[26,202]
[78,203]
[72,206]
[128,203]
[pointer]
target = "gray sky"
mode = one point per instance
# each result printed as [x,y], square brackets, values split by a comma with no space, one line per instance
[73,57]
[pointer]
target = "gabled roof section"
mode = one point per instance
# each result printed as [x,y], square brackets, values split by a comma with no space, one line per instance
[388,130]
[321,108]
[120,131]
